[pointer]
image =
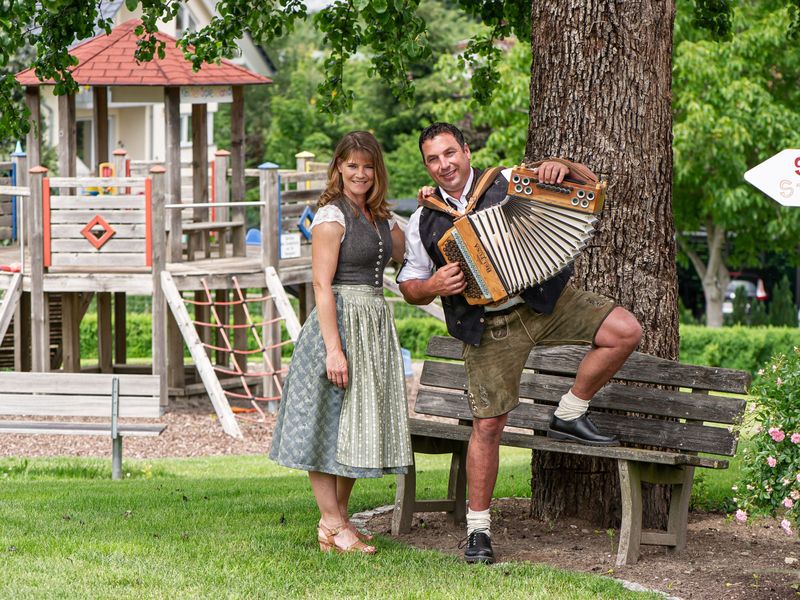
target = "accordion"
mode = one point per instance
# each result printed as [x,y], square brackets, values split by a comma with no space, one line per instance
[535,232]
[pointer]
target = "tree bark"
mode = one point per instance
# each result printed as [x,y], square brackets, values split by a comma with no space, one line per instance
[601,95]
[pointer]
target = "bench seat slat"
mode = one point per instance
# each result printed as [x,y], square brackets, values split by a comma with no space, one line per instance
[641,368]
[424,428]
[613,396]
[78,383]
[662,433]
[41,405]
[43,427]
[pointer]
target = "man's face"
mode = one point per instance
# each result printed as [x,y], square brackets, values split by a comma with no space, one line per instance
[447,163]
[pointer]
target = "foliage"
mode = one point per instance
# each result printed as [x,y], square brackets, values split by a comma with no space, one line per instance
[734,106]
[414,333]
[741,306]
[745,348]
[782,310]
[771,475]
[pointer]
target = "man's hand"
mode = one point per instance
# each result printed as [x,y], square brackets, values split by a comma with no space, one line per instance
[424,192]
[551,171]
[448,281]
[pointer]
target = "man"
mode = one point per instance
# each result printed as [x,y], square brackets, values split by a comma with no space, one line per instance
[497,340]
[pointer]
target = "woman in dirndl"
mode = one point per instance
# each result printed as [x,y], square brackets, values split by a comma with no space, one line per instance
[343,414]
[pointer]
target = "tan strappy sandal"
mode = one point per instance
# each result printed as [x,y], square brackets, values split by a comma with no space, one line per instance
[325,536]
[361,535]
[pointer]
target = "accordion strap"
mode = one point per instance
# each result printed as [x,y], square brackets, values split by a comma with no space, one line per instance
[434,202]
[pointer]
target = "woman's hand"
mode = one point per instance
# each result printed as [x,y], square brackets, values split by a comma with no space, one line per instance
[336,368]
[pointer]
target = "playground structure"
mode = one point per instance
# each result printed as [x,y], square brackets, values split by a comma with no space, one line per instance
[154,229]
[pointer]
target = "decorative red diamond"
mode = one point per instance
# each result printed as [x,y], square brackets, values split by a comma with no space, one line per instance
[98,241]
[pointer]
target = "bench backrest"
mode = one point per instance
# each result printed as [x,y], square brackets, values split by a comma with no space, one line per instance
[683,417]
[58,394]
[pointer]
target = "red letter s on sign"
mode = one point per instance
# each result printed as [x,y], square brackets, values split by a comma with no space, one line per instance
[797,164]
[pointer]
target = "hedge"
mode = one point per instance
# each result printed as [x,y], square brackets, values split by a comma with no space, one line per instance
[747,348]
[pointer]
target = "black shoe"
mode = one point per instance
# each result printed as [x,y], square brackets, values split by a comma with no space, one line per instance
[479,548]
[581,430]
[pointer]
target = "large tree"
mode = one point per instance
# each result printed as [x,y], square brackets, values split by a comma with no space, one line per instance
[599,93]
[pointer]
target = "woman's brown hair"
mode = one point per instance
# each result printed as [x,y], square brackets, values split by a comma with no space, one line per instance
[359,142]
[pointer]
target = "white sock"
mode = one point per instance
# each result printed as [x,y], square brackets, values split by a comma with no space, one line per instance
[479,519]
[571,407]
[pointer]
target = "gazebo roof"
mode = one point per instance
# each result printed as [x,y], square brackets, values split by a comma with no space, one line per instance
[107,60]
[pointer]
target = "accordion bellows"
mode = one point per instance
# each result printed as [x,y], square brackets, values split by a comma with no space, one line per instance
[530,236]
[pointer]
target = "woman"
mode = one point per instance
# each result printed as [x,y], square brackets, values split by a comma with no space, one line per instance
[343,412]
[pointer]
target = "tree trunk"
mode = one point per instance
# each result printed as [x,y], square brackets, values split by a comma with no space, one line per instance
[601,95]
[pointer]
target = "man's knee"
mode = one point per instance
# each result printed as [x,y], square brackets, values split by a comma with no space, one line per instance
[488,431]
[620,330]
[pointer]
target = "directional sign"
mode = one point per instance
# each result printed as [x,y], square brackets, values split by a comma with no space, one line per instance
[778,177]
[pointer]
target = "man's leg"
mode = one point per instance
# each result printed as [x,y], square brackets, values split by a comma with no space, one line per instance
[483,458]
[614,342]
[616,338]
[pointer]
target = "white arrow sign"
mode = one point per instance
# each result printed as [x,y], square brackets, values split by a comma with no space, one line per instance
[778,177]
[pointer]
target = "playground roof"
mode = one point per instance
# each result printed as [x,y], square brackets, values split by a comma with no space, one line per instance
[107,60]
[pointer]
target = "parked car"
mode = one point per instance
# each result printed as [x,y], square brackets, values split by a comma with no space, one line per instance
[752,290]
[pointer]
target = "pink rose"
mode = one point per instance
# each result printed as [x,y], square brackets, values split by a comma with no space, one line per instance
[795,438]
[788,502]
[795,494]
[771,461]
[776,434]
[779,382]
[741,516]
[787,527]
[798,477]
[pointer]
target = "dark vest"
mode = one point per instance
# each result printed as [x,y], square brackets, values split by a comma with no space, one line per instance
[465,321]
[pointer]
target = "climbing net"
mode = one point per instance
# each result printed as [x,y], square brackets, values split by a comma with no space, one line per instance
[215,316]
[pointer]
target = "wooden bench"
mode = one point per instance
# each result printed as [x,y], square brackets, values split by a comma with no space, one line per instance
[681,427]
[57,394]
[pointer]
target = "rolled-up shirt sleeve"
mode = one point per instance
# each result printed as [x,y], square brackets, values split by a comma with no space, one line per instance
[416,262]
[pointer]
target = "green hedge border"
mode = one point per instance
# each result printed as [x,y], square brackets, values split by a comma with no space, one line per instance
[747,348]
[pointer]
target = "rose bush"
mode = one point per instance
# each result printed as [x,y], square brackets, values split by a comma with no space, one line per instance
[770,482]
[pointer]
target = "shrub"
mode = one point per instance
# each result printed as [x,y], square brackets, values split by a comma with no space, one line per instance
[770,483]
[415,332]
[782,311]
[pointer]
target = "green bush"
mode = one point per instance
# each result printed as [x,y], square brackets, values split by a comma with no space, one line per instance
[736,347]
[782,311]
[414,333]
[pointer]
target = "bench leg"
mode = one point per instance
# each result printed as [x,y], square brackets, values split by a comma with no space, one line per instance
[457,487]
[116,458]
[630,533]
[679,509]
[404,501]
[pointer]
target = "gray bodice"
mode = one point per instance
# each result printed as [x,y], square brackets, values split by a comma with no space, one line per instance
[364,253]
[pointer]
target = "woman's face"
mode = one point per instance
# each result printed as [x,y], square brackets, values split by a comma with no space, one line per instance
[358,175]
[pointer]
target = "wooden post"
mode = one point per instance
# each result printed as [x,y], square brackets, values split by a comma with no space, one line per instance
[119,160]
[307,300]
[222,358]
[159,308]
[237,169]
[100,117]
[222,159]
[270,248]
[302,159]
[630,531]
[200,175]
[34,141]
[70,327]
[67,138]
[105,351]
[172,109]
[40,333]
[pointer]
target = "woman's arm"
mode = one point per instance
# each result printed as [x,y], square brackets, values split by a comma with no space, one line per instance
[325,244]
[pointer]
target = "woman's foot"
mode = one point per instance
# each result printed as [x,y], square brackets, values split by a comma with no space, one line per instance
[341,538]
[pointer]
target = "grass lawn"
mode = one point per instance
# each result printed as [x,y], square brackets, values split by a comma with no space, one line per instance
[231,527]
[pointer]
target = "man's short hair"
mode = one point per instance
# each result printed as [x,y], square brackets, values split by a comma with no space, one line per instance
[434,129]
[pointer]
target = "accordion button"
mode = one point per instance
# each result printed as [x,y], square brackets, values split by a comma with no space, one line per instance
[482,320]
[458,322]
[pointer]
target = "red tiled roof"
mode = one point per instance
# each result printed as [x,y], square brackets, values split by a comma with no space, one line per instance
[108,60]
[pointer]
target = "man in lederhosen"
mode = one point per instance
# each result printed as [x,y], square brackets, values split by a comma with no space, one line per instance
[498,339]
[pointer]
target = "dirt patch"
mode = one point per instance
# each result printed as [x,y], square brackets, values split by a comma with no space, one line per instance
[722,559]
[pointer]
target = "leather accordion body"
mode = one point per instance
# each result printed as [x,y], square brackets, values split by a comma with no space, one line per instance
[534,233]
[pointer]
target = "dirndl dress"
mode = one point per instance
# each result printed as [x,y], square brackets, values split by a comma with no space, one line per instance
[360,431]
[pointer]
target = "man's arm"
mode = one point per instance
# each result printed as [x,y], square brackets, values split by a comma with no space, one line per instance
[447,281]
